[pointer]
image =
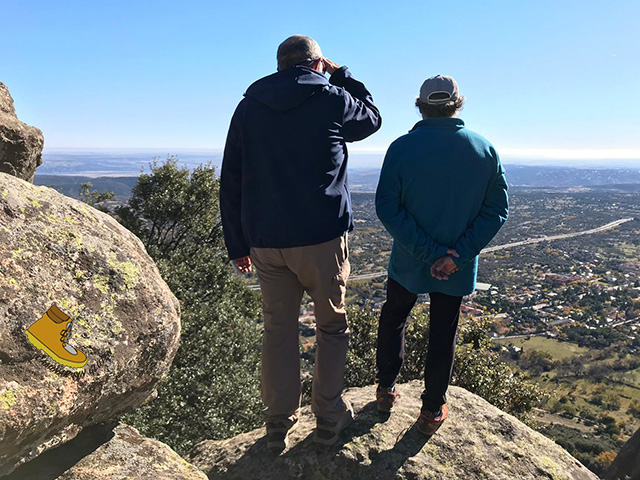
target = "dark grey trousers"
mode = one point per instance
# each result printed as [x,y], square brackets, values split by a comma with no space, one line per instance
[444,314]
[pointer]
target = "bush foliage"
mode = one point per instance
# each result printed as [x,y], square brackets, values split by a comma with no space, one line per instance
[477,367]
[212,390]
[595,452]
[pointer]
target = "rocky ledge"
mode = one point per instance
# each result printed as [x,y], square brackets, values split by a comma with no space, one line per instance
[478,441]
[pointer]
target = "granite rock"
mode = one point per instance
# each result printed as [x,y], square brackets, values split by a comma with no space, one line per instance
[57,250]
[20,144]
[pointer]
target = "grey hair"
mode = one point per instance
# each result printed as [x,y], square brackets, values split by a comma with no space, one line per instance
[297,49]
[448,109]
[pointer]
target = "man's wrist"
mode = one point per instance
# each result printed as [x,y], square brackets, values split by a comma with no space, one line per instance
[457,261]
[338,74]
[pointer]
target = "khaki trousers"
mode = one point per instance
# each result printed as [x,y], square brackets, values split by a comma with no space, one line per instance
[284,274]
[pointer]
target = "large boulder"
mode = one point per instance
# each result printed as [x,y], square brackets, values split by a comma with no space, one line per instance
[134,457]
[626,465]
[112,451]
[476,441]
[125,320]
[20,144]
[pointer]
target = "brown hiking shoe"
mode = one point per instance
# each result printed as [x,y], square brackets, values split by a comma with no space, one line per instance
[386,398]
[328,431]
[278,433]
[429,422]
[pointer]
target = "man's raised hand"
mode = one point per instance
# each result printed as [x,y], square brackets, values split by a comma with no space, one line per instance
[329,66]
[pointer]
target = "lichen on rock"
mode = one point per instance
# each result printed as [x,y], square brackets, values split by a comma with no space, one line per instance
[56,250]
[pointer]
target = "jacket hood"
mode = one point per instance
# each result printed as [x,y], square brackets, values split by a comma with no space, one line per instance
[287,89]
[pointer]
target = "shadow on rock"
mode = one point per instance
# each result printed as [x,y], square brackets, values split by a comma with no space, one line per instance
[305,459]
[53,463]
[409,445]
[477,441]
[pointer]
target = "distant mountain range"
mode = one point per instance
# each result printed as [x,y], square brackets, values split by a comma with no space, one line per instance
[69,185]
[117,172]
[365,180]
[114,162]
[543,176]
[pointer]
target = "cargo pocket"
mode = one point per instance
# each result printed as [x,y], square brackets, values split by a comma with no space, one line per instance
[338,291]
[339,285]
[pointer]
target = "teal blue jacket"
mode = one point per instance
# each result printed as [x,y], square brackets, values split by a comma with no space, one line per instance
[441,186]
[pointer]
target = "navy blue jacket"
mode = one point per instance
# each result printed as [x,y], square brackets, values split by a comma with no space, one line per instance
[284,170]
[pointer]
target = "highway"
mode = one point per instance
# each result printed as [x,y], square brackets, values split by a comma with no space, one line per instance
[544,238]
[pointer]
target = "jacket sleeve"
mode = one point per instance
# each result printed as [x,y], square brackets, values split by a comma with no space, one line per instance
[400,223]
[361,117]
[231,192]
[493,214]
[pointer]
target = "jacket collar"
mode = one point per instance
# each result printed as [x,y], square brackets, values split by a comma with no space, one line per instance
[288,88]
[439,122]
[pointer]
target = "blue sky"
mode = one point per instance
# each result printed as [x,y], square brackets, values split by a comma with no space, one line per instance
[543,79]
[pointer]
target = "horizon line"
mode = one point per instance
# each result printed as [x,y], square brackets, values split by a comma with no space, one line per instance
[533,153]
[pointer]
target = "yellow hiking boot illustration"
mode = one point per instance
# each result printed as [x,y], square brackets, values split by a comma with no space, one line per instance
[51,335]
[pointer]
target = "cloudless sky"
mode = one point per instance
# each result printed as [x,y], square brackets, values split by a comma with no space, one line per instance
[540,77]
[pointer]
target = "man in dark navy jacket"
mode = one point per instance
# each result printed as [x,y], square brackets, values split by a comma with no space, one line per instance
[286,209]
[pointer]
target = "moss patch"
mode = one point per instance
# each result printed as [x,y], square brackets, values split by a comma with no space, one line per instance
[101,282]
[552,466]
[7,400]
[50,218]
[88,214]
[69,237]
[130,271]
[33,202]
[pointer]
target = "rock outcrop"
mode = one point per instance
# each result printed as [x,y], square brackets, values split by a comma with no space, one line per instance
[56,250]
[477,441]
[626,465]
[108,452]
[20,144]
[134,457]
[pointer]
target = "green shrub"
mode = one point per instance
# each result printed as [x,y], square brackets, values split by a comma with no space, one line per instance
[212,389]
[582,445]
[361,356]
[634,409]
[477,368]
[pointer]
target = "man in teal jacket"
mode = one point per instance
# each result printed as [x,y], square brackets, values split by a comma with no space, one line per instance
[442,196]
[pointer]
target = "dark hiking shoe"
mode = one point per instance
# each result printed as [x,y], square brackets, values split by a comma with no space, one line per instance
[386,398]
[278,433]
[429,422]
[328,431]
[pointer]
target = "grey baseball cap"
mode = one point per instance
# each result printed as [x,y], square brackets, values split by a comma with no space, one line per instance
[439,90]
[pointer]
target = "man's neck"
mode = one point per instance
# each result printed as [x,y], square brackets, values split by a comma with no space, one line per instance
[424,117]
